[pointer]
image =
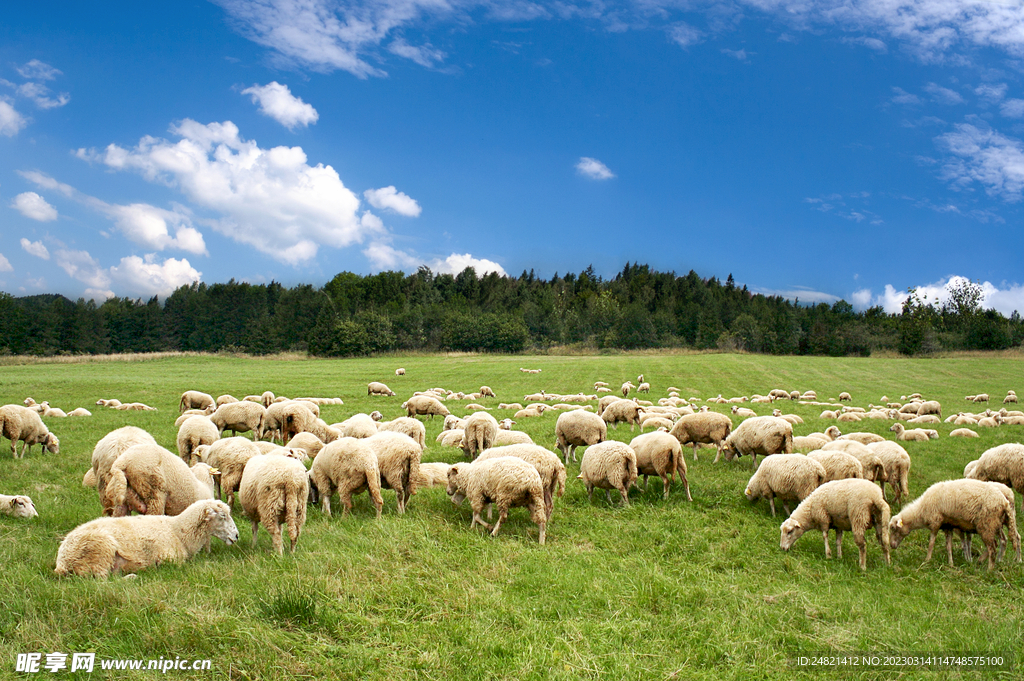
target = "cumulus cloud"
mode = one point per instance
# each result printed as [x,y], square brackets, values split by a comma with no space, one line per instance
[991,92]
[593,169]
[456,262]
[383,256]
[901,96]
[35,248]
[1011,108]
[389,198]
[942,95]
[278,102]
[270,199]
[11,122]
[1005,298]
[83,267]
[37,70]
[5,264]
[33,206]
[146,277]
[987,157]
[861,299]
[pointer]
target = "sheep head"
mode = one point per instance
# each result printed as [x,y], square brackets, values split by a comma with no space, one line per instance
[51,444]
[897,531]
[791,531]
[218,516]
[452,489]
[21,507]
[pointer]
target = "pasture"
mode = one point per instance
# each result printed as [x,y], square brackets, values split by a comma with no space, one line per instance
[658,590]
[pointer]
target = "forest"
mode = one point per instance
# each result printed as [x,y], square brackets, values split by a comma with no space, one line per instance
[356,315]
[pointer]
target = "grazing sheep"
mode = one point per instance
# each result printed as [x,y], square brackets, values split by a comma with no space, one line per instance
[225,399]
[904,435]
[547,463]
[846,505]
[622,411]
[398,459]
[963,432]
[400,371]
[433,474]
[192,399]
[983,397]
[111,446]
[151,480]
[626,387]
[1011,398]
[20,423]
[358,426]
[19,506]
[896,462]
[375,388]
[414,428]
[863,438]
[479,434]
[273,420]
[967,505]
[298,420]
[845,397]
[195,431]
[1005,464]
[808,443]
[578,428]
[240,417]
[486,391]
[790,477]
[229,456]
[274,491]
[609,465]
[346,466]
[307,442]
[644,387]
[424,405]
[504,481]
[704,428]
[107,545]
[760,435]
[838,465]
[660,454]
[874,470]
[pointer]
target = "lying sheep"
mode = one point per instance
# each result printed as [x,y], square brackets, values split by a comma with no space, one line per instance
[511,437]
[451,438]
[609,465]
[808,443]
[1005,464]
[505,481]
[479,434]
[790,477]
[424,405]
[229,456]
[107,545]
[20,423]
[274,491]
[108,403]
[963,432]
[896,462]
[904,435]
[704,428]
[80,411]
[433,474]
[151,480]
[547,463]
[195,431]
[969,505]
[846,505]
[863,438]
[760,435]
[837,465]
[240,417]
[346,466]
[192,399]
[792,418]
[398,459]
[578,429]
[506,424]
[660,454]
[19,506]
[744,413]
[375,388]
[111,446]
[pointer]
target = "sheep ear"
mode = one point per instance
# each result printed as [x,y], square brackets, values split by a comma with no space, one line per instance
[899,523]
[746,491]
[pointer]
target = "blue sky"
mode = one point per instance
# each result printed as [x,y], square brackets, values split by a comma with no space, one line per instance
[813,148]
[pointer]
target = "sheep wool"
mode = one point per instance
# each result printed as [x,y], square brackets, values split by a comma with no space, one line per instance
[760,435]
[19,506]
[547,463]
[398,458]
[838,465]
[240,417]
[151,480]
[790,477]
[195,431]
[20,423]
[347,467]
[505,482]
[274,491]
[660,454]
[704,428]
[578,429]
[479,434]
[896,463]
[609,465]
[106,451]
[229,456]
[1005,464]
[414,428]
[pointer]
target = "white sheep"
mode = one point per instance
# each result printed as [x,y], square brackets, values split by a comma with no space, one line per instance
[963,432]
[1003,463]
[511,437]
[195,431]
[609,465]
[192,399]
[229,456]
[273,492]
[80,411]
[896,462]
[346,466]
[792,418]
[486,391]
[659,453]
[400,371]
[225,399]
[376,388]
[20,423]
[547,463]
[451,438]
[358,426]
[424,405]
[240,417]
[874,470]
[846,505]
[106,451]
[277,413]
[398,459]
[704,428]
[433,474]
[308,442]
[479,434]
[863,438]
[838,465]
[914,435]
[151,480]
[129,544]
[845,397]
[414,428]
[790,477]
[744,413]
[505,481]
[19,506]
[760,435]
[622,411]
[578,429]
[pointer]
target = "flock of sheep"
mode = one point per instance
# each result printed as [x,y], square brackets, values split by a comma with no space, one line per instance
[291,458]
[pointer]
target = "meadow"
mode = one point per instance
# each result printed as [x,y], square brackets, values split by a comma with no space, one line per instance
[657,590]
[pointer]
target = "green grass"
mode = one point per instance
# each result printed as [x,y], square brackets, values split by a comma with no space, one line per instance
[659,590]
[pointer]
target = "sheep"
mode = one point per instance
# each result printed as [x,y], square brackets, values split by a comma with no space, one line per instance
[504,481]
[703,428]
[622,411]
[863,438]
[983,397]
[240,417]
[657,424]
[433,474]
[547,463]
[479,434]
[273,420]
[400,371]
[849,417]
[968,505]
[229,456]
[358,426]
[346,466]
[89,479]
[828,414]
[896,464]
[965,536]
[20,423]
[930,407]
[308,442]
[398,459]
[19,506]
[106,545]
[990,421]
[193,399]
[660,454]
[846,505]
[578,428]
[808,443]
[609,465]
[106,451]
[195,431]
[514,405]
[80,411]
[424,405]
[451,438]
[904,435]
[644,387]
[511,437]
[108,403]
[790,477]
[760,435]
[626,387]
[414,428]
[1003,463]
[53,412]
[874,470]
[930,418]
[273,492]
[151,480]
[486,391]
[792,418]
[963,432]
[1011,398]
[744,413]
[845,397]
[299,420]
[375,388]
[225,399]
[838,465]
[506,424]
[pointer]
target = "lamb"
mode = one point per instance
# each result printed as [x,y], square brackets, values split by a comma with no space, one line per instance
[644,387]
[838,465]
[660,454]
[19,506]
[622,411]
[1005,464]
[853,505]
[486,391]
[790,477]
[111,446]
[240,417]
[193,399]
[434,474]
[609,465]
[967,505]
[106,545]
[307,442]
[151,480]
[505,481]
[704,428]
[963,432]
[424,405]
[792,418]
[451,422]
[896,462]
[511,437]
[346,466]
[414,428]
[375,388]
[108,403]
[547,463]
[400,371]
[578,428]
[53,412]
[506,424]
[744,413]
[863,438]
[451,438]
[274,491]
[904,435]
[80,411]
[983,397]
[760,435]
[358,426]
[874,470]
[195,431]
[225,399]
[229,456]
[20,423]
[398,459]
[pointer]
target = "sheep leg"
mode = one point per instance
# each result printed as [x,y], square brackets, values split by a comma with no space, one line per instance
[828,549]
[695,452]
[543,531]
[883,541]
[949,546]
[664,484]
[274,528]
[590,493]
[785,506]
[990,548]
[549,503]
[608,495]
[478,519]
[255,528]
[625,495]
[771,502]
[839,543]
[862,546]
[931,545]
[502,514]
[965,543]
[645,483]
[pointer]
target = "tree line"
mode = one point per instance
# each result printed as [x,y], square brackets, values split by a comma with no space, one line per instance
[355,315]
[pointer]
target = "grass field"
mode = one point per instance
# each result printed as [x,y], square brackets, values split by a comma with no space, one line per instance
[658,590]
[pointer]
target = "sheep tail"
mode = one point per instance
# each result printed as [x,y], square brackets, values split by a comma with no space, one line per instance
[560,482]
[116,490]
[181,405]
[787,444]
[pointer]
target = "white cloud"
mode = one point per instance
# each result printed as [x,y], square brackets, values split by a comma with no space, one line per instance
[901,96]
[278,102]
[1004,299]
[35,248]
[83,267]
[389,198]
[40,94]
[987,157]
[991,92]
[804,295]
[871,43]
[861,299]
[737,54]
[5,264]
[37,70]
[11,122]
[684,34]
[33,206]
[942,95]
[146,277]
[99,295]
[44,181]
[456,262]
[425,55]
[385,257]
[270,199]
[1013,108]
[593,169]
